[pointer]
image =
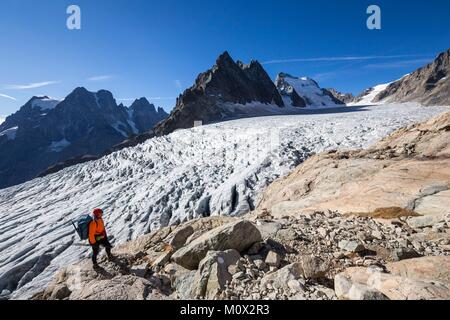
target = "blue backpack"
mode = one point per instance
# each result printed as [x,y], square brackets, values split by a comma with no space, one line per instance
[81,225]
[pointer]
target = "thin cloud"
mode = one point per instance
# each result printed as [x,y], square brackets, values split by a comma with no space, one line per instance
[334,59]
[126,99]
[398,64]
[7,97]
[161,98]
[177,84]
[100,78]
[31,85]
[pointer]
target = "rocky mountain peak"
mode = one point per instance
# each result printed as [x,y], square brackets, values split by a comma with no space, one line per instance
[226,83]
[429,85]
[224,60]
[143,104]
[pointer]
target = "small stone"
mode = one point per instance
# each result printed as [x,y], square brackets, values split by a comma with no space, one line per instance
[256,248]
[417,245]
[240,275]
[313,267]
[60,292]
[323,232]
[260,264]
[362,236]
[233,269]
[339,255]
[361,292]
[140,270]
[351,246]
[162,260]
[439,227]
[295,286]
[403,243]
[377,235]
[287,235]
[273,259]
[404,254]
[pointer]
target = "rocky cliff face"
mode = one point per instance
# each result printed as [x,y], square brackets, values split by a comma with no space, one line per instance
[339,96]
[44,131]
[300,250]
[226,83]
[429,85]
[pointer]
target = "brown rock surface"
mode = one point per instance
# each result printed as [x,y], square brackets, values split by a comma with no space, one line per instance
[409,169]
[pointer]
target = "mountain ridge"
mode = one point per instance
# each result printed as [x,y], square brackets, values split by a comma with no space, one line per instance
[45,131]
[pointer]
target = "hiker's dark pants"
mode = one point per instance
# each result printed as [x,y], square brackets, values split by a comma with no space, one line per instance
[96,249]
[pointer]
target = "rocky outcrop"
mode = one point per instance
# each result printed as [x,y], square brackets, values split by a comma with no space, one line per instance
[239,236]
[226,83]
[301,259]
[408,170]
[339,96]
[48,133]
[144,115]
[429,85]
[415,279]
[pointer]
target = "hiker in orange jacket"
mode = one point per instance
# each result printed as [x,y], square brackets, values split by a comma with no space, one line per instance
[98,236]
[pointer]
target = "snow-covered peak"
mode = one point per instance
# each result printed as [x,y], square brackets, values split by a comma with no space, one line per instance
[308,89]
[44,103]
[2,119]
[367,97]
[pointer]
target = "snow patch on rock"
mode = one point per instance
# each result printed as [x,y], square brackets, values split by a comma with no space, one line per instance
[58,146]
[10,133]
[45,103]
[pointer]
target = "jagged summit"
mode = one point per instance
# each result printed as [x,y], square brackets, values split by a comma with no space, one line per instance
[226,83]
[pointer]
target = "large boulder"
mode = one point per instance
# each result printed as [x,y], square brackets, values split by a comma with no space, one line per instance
[213,275]
[281,278]
[425,221]
[426,268]
[414,279]
[118,288]
[239,235]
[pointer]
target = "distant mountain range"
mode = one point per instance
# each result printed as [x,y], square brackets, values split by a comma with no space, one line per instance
[46,131]
[46,135]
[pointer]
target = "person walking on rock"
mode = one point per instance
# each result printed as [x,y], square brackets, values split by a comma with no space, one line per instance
[98,237]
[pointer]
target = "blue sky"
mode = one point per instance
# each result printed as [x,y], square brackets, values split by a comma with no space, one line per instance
[156,49]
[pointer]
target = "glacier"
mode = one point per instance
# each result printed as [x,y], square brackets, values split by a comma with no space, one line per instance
[218,169]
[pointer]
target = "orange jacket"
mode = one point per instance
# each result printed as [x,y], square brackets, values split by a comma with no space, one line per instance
[97,231]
